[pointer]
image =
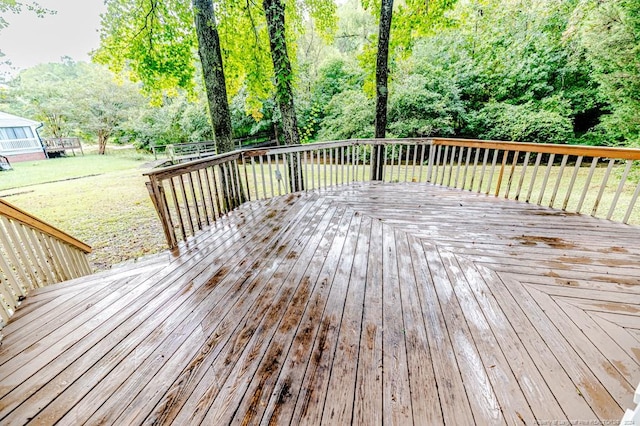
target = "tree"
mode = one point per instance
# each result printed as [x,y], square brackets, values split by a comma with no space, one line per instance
[213,71]
[75,99]
[609,32]
[103,105]
[382,92]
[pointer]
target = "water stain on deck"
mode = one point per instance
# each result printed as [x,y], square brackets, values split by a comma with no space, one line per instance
[554,242]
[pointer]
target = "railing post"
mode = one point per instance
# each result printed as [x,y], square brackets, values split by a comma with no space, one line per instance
[156,192]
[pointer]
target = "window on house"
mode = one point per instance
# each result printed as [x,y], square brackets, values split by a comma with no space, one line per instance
[9,133]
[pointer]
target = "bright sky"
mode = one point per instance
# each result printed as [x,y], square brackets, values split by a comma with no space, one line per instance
[72,31]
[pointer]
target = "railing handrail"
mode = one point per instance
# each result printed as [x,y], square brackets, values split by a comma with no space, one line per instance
[13,212]
[586,151]
[545,148]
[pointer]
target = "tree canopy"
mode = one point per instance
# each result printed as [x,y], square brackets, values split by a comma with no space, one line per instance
[540,71]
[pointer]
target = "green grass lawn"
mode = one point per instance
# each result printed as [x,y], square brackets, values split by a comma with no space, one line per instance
[106,204]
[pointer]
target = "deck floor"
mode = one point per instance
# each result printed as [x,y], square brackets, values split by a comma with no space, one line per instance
[376,303]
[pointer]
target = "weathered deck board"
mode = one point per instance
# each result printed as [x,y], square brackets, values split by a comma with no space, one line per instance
[395,303]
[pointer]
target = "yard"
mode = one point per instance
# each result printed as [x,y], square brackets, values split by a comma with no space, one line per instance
[102,200]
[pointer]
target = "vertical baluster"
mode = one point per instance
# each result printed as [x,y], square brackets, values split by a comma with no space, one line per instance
[533,176]
[33,238]
[207,179]
[31,257]
[185,198]
[585,189]
[195,200]
[512,172]
[493,169]
[413,164]
[324,153]
[616,197]
[451,163]
[341,165]
[431,165]
[356,153]
[460,155]
[204,198]
[466,168]
[603,186]
[474,169]
[505,155]
[563,164]
[176,204]
[422,149]
[310,179]
[632,203]
[485,158]
[525,164]
[546,178]
[217,190]
[574,176]
[273,193]
[255,178]
[400,162]
[445,161]
[263,178]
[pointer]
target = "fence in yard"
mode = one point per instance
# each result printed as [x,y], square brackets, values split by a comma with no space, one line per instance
[34,254]
[599,181]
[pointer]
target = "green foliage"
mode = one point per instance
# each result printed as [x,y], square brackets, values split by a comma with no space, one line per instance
[74,99]
[419,107]
[524,123]
[350,114]
[152,41]
[177,120]
[609,33]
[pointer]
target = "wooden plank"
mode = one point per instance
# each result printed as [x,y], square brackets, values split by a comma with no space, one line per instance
[532,384]
[367,407]
[338,406]
[513,404]
[482,398]
[139,321]
[455,404]
[425,402]
[396,396]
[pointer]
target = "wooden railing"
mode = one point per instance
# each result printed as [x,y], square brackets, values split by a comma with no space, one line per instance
[599,181]
[61,145]
[34,254]
[183,152]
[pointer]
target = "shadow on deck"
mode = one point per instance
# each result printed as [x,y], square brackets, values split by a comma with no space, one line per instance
[376,302]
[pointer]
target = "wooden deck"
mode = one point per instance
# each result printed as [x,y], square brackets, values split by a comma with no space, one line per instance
[375,303]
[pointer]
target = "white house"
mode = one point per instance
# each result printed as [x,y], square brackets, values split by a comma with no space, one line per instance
[19,140]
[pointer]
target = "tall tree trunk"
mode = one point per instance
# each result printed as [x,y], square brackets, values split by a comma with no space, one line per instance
[213,72]
[274,11]
[216,87]
[382,92]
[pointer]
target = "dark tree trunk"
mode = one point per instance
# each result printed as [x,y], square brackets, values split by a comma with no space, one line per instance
[274,11]
[382,92]
[216,87]
[213,71]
